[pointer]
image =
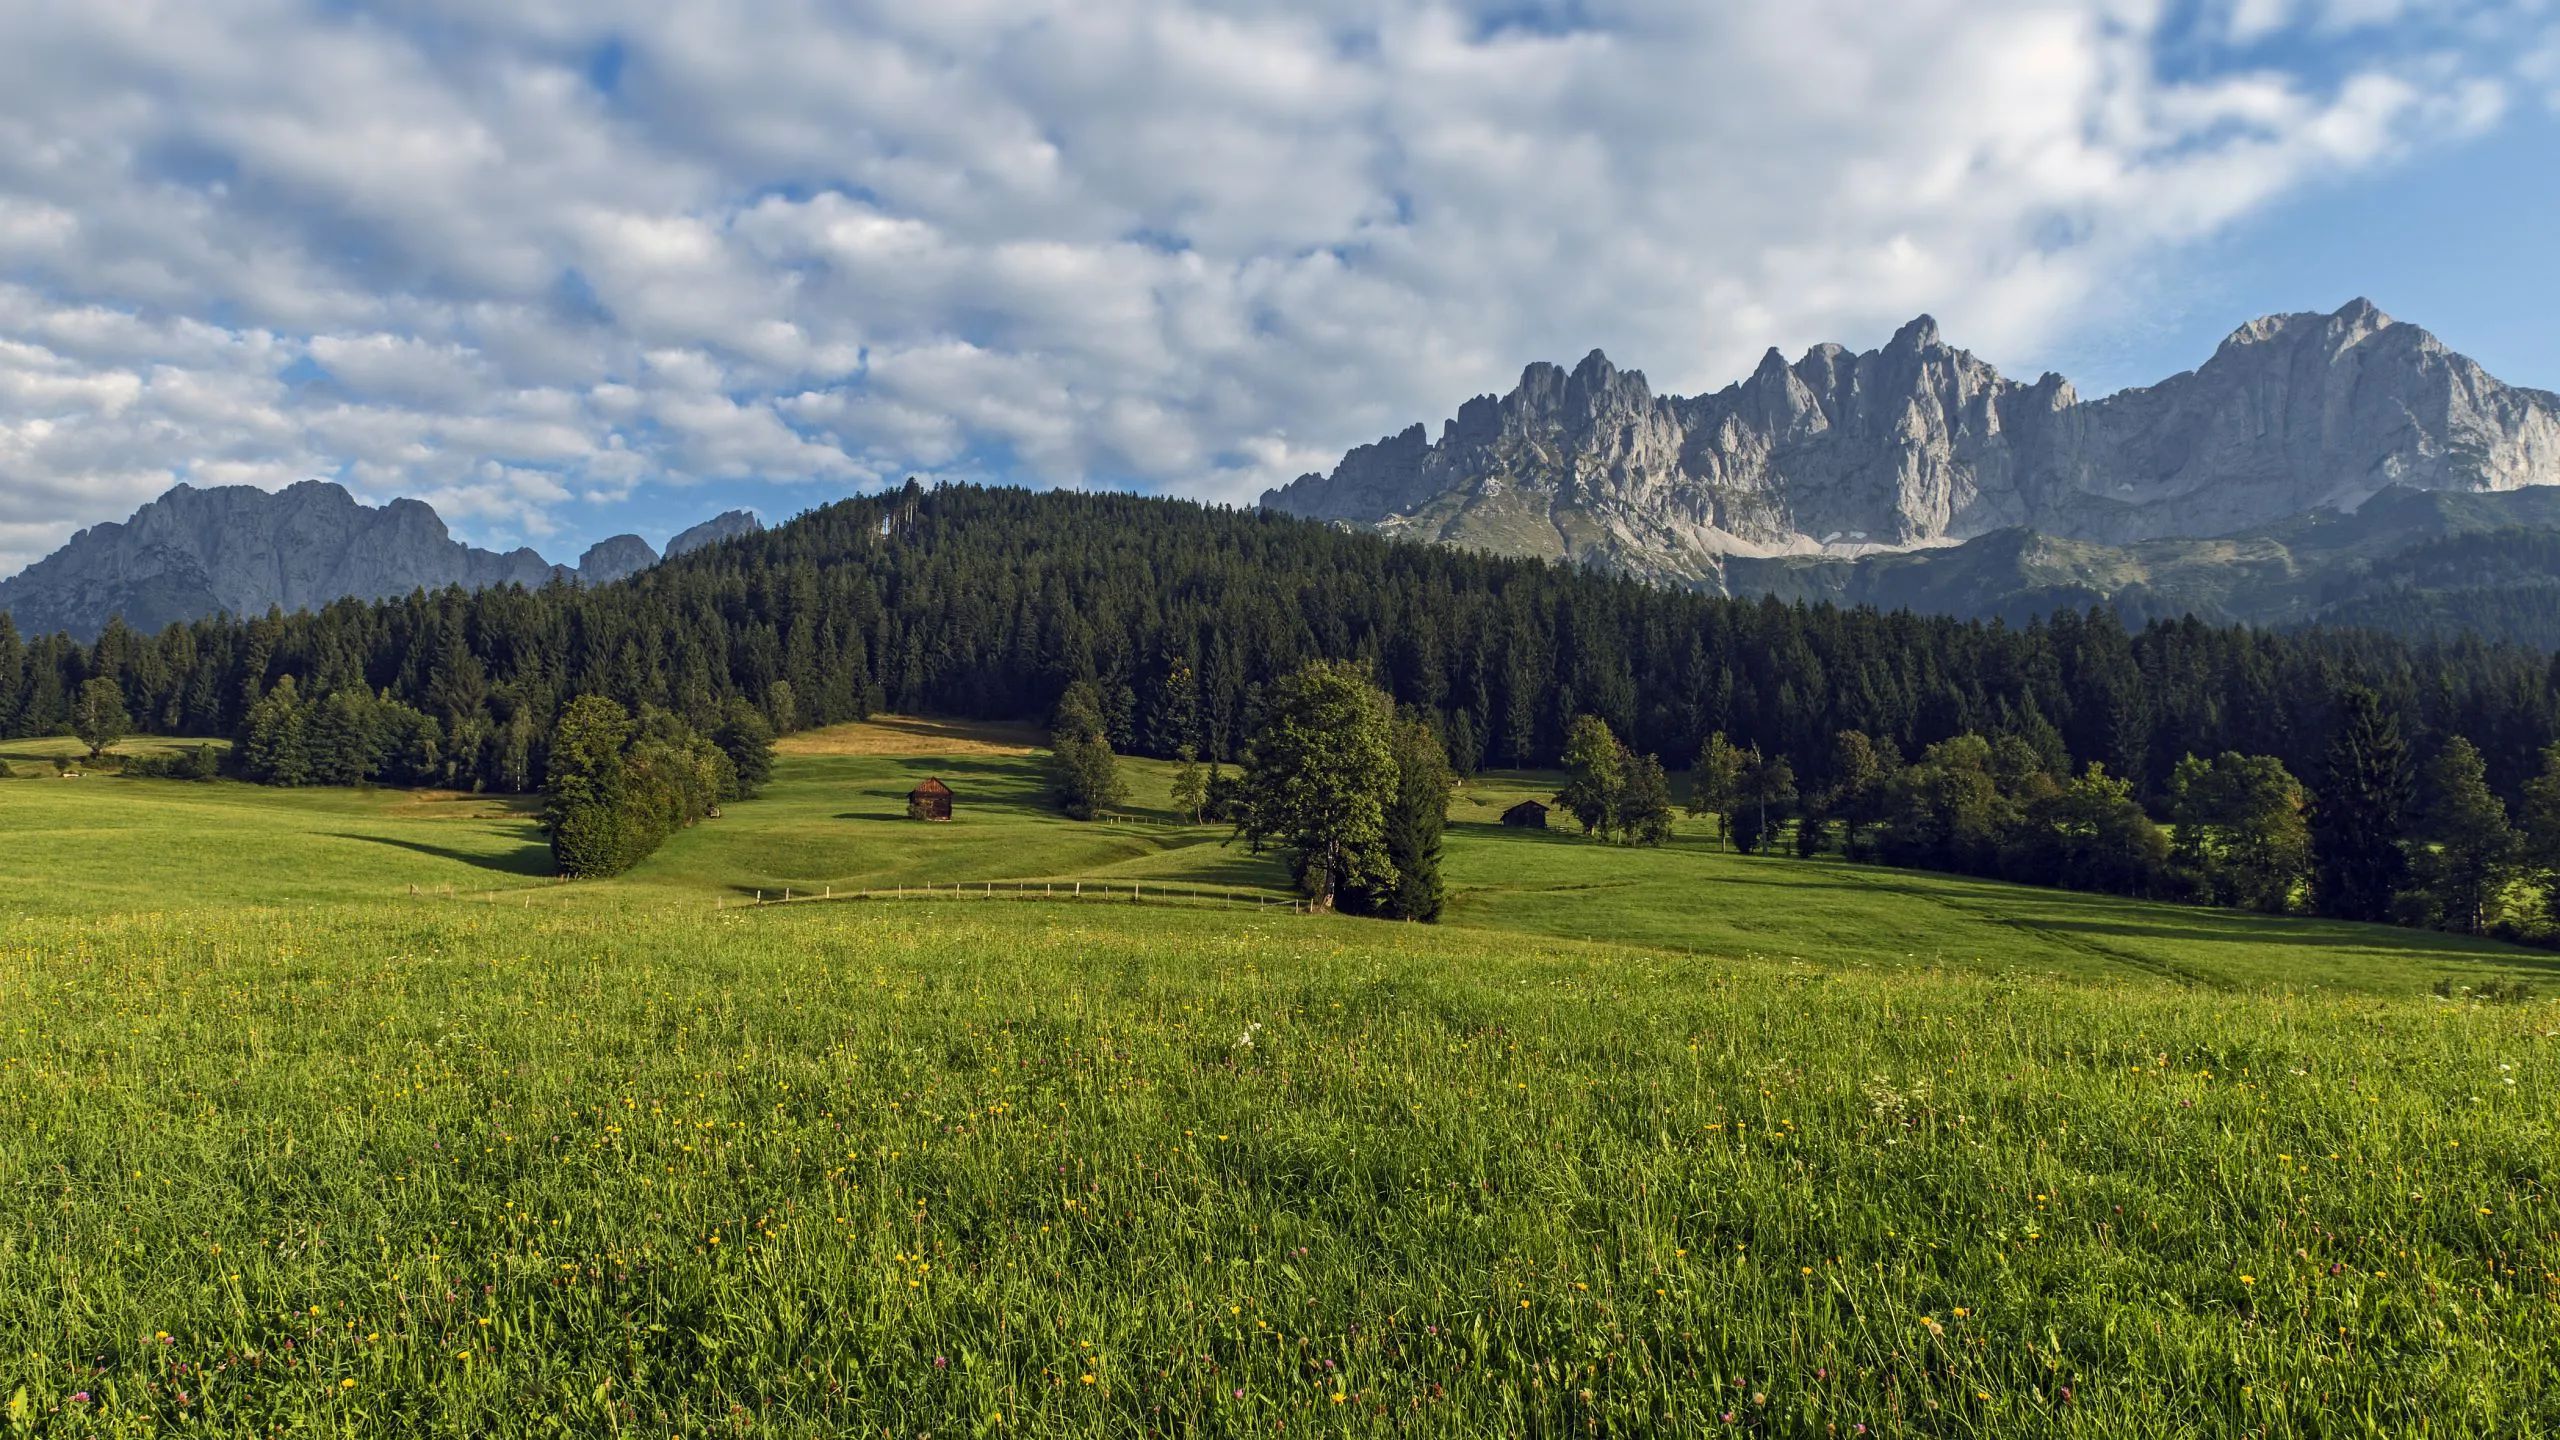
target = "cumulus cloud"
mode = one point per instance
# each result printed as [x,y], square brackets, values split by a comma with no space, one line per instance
[524,258]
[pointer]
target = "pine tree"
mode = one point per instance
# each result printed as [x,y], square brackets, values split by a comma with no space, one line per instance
[746,737]
[2472,849]
[276,751]
[1596,775]
[587,802]
[2540,848]
[1416,817]
[2360,815]
[339,739]
[1084,774]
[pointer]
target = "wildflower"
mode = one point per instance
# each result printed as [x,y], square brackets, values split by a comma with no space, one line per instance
[2248,1279]
[941,1362]
[347,1384]
[1088,1379]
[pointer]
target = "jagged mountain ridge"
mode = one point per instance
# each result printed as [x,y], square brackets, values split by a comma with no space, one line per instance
[240,550]
[1920,443]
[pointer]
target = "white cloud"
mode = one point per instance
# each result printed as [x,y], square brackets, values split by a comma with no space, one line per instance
[1188,244]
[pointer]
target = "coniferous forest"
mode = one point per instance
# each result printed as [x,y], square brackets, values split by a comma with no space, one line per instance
[991,603]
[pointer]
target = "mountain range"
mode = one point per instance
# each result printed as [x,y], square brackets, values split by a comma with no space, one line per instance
[239,550]
[1917,474]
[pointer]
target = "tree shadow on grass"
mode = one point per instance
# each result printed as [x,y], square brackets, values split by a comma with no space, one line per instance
[531,859]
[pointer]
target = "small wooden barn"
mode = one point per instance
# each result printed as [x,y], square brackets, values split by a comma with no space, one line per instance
[929,801]
[1527,815]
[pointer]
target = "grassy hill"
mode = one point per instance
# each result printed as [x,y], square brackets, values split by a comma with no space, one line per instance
[1667,1142]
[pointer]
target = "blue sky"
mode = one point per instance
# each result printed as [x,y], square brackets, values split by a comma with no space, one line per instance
[565,267]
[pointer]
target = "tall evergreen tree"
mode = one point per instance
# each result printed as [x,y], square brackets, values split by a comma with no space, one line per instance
[276,750]
[1416,817]
[746,737]
[2539,850]
[2360,815]
[1084,774]
[2470,854]
[588,806]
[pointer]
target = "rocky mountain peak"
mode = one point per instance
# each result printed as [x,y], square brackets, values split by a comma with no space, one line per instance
[239,550]
[1919,443]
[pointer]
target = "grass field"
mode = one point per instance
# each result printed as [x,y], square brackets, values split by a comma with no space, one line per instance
[1640,1143]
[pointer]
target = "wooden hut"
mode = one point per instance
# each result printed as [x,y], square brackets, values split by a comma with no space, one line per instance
[1527,815]
[929,801]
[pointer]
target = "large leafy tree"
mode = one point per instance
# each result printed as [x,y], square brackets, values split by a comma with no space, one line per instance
[1318,777]
[1761,802]
[2238,829]
[100,719]
[2360,816]
[1716,782]
[1644,808]
[1595,766]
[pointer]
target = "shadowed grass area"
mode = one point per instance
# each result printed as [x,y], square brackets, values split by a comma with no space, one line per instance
[834,818]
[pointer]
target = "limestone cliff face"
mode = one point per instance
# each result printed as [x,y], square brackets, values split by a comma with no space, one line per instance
[1920,443]
[240,550]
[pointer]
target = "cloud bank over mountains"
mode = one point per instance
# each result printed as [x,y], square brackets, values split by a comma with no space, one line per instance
[521,257]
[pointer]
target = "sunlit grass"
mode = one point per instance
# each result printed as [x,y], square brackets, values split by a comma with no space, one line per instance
[1791,1148]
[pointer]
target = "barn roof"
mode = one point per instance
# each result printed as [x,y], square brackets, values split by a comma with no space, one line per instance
[931,787]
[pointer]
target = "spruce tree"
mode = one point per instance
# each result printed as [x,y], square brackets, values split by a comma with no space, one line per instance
[2359,818]
[2540,848]
[1416,816]
[746,737]
[2471,849]
[1084,774]
[276,750]
[588,806]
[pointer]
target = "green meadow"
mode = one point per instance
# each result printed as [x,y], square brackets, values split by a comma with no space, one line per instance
[327,1112]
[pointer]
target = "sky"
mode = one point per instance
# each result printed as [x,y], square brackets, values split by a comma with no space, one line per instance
[564,269]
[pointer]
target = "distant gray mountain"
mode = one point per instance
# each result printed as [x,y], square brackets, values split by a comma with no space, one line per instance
[1920,445]
[240,550]
[616,557]
[728,525]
